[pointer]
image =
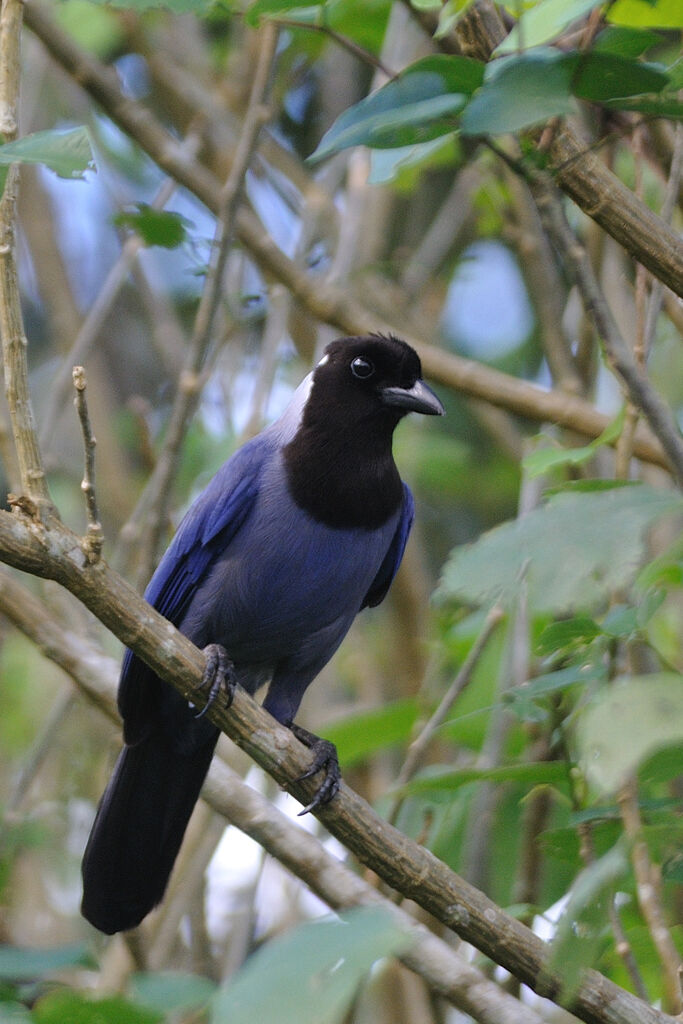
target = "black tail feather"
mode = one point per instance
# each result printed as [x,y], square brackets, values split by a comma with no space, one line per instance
[138,830]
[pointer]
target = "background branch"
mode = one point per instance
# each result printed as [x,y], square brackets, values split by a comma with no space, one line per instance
[322,300]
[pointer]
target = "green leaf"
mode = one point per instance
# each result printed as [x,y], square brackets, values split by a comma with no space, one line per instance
[176,6]
[273,8]
[568,633]
[446,780]
[67,153]
[417,106]
[171,991]
[364,733]
[65,1005]
[572,553]
[656,106]
[310,975]
[541,461]
[525,90]
[527,701]
[607,76]
[621,621]
[14,1013]
[581,929]
[156,227]
[519,92]
[544,22]
[627,724]
[387,164]
[21,964]
[646,14]
[627,42]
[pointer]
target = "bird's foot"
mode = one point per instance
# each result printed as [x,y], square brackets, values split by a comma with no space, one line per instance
[219,674]
[324,758]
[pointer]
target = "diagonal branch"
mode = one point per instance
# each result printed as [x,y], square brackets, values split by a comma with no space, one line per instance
[444,970]
[410,869]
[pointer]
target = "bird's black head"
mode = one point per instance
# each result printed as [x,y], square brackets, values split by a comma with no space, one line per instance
[340,465]
[374,376]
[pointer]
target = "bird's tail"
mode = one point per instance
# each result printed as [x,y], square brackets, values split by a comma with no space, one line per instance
[138,830]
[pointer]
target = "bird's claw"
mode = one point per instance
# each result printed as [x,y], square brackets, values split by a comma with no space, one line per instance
[324,758]
[219,674]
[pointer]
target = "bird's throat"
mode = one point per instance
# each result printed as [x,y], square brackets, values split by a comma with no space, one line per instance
[344,482]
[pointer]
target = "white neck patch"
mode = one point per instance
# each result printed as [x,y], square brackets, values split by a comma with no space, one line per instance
[290,421]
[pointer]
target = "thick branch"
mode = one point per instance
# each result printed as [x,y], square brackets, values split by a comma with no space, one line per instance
[410,869]
[303,854]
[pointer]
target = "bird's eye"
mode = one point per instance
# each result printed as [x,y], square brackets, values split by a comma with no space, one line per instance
[362,368]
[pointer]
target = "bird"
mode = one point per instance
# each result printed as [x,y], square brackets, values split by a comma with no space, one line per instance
[303,527]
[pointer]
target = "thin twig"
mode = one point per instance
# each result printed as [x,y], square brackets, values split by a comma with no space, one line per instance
[98,312]
[94,539]
[648,888]
[417,750]
[638,386]
[668,206]
[159,486]
[621,944]
[51,732]
[346,44]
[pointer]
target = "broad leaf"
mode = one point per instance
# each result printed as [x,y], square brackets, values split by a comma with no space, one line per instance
[581,929]
[544,22]
[362,734]
[171,991]
[519,92]
[67,153]
[542,460]
[310,975]
[572,553]
[176,6]
[528,89]
[67,1005]
[606,76]
[387,164]
[627,724]
[419,105]
[647,13]
[558,636]
[155,227]
[21,964]
[655,106]
[440,780]
[627,42]
[273,8]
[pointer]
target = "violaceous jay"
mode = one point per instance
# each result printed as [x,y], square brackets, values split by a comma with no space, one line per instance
[303,526]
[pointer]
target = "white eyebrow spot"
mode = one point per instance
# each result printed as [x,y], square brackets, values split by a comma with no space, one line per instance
[325,359]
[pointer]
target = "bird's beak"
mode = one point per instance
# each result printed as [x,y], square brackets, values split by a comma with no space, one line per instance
[419,398]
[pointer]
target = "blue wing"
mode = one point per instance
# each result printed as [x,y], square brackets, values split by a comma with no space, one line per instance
[205,532]
[392,559]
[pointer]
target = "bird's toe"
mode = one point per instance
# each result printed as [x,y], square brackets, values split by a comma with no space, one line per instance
[219,674]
